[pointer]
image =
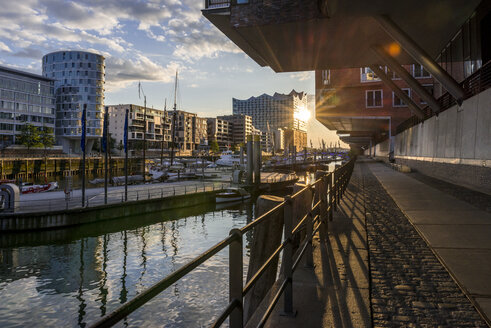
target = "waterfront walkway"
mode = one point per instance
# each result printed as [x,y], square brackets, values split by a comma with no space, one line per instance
[55,200]
[399,254]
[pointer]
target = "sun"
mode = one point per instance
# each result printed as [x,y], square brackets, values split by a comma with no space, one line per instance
[303,114]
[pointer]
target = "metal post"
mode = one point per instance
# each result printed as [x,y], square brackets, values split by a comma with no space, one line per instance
[330,195]
[323,208]
[415,51]
[257,160]
[309,259]
[335,189]
[106,143]
[250,160]
[236,278]
[401,94]
[408,78]
[84,142]
[288,257]
[126,156]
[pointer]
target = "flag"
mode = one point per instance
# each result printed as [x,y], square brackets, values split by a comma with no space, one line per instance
[139,87]
[104,131]
[125,141]
[82,140]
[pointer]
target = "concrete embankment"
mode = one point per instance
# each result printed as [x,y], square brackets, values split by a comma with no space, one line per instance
[71,217]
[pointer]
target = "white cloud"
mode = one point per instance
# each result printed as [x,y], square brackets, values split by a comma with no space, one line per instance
[4,47]
[122,72]
[302,76]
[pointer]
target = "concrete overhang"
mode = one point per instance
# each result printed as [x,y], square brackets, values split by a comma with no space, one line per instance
[348,124]
[338,37]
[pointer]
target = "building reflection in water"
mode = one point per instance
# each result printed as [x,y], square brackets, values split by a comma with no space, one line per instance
[103,269]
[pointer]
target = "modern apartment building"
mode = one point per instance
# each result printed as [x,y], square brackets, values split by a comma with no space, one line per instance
[79,82]
[200,132]
[295,138]
[24,98]
[275,112]
[360,93]
[221,131]
[158,126]
[241,127]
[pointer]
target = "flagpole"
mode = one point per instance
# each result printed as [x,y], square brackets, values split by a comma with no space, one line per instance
[126,156]
[105,148]
[144,133]
[82,145]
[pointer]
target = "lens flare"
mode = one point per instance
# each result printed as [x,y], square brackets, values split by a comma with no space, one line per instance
[303,114]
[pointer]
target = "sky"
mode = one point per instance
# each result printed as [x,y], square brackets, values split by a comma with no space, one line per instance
[147,41]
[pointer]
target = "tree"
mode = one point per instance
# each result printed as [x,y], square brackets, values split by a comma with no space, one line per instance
[214,146]
[46,137]
[30,136]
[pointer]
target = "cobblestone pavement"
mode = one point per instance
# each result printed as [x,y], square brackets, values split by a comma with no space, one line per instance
[478,199]
[409,287]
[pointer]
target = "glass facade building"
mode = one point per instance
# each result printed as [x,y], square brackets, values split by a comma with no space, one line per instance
[79,82]
[274,112]
[24,98]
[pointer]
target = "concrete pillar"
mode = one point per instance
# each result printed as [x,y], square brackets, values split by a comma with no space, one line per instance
[257,159]
[250,160]
[266,238]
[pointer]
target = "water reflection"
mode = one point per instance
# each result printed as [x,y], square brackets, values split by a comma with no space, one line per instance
[73,277]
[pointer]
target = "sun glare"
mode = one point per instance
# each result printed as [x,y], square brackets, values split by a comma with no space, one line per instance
[303,114]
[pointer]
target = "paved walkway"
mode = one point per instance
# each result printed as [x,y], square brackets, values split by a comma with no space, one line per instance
[376,270]
[458,233]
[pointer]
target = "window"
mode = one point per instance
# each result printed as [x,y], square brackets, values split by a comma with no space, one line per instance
[326,77]
[373,98]
[430,88]
[367,75]
[419,72]
[397,102]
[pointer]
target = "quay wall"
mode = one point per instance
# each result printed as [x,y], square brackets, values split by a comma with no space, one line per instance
[31,168]
[454,146]
[73,217]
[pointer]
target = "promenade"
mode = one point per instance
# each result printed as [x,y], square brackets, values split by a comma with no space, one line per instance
[56,200]
[399,253]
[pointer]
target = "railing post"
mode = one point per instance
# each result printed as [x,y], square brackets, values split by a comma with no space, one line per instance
[334,190]
[323,208]
[331,195]
[309,257]
[236,278]
[288,258]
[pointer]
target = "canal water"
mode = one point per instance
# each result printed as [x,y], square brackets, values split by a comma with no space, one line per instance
[72,277]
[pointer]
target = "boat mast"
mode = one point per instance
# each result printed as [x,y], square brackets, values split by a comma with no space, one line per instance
[173,128]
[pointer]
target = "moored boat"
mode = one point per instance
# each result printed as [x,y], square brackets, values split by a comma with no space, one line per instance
[232,195]
[31,189]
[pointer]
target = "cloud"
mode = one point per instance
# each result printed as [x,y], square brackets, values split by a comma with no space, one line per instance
[302,76]
[4,47]
[122,72]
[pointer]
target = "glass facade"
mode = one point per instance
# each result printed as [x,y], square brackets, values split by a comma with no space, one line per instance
[24,98]
[79,81]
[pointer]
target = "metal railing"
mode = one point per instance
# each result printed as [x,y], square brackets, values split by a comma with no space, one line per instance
[145,192]
[328,191]
[473,85]
[210,4]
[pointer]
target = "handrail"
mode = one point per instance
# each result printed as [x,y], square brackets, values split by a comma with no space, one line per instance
[132,305]
[334,184]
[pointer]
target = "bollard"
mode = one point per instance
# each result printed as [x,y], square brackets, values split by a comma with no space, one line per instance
[288,257]
[236,278]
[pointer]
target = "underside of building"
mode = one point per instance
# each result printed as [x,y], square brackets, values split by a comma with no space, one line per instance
[449,39]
